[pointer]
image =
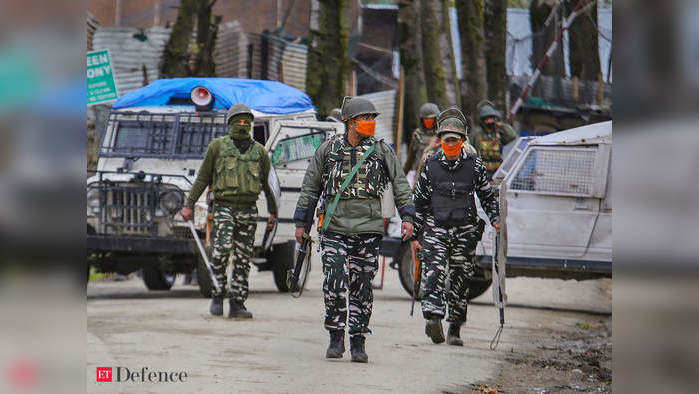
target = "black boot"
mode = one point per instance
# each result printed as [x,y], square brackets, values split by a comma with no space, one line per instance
[434,330]
[453,335]
[337,344]
[216,307]
[357,349]
[237,310]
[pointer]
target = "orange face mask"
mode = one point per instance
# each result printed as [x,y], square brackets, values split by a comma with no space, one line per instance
[452,150]
[366,127]
[428,123]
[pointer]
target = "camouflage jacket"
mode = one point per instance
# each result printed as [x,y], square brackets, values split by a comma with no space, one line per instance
[418,143]
[489,145]
[359,207]
[236,178]
[422,195]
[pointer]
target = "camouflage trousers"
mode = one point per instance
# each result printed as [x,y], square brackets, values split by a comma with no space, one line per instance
[349,261]
[234,234]
[447,251]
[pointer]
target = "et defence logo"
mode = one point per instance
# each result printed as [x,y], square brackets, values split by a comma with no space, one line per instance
[143,375]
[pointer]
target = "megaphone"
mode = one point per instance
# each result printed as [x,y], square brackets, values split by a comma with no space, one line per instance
[202,98]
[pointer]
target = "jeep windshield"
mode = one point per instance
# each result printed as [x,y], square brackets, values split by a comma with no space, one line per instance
[172,135]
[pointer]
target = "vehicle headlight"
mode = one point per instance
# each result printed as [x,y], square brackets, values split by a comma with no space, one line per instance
[93,200]
[171,202]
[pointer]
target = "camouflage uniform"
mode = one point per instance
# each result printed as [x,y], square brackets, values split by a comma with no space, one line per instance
[349,261]
[449,248]
[489,142]
[234,235]
[351,242]
[236,168]
[419,143]
[422,138]
[450,228]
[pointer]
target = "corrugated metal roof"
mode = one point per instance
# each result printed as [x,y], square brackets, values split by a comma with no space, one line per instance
[230,54]
[294,66]
[130,55]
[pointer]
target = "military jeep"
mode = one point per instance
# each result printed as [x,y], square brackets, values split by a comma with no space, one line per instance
[148,160]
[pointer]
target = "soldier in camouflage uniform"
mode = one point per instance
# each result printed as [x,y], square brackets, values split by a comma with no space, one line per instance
[437,147]
[447,226]
[423,137]
[490,136]
[236,168]
[350,236]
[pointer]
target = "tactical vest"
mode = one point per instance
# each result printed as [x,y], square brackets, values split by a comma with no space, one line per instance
[490,150]
[452,195]
[370,180]
[238,173]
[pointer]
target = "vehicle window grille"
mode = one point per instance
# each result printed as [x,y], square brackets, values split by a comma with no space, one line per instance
[512,158]
[560,171]
[183,135]
[196,133]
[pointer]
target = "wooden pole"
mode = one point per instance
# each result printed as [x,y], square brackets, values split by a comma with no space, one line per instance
[399,121]
[579,8]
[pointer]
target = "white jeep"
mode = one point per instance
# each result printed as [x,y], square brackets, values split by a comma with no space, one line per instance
[148,161]
[557,190]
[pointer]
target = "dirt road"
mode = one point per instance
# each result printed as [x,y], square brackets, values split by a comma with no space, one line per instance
[551,325]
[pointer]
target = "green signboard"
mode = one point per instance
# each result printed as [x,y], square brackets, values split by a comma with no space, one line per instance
[100,78]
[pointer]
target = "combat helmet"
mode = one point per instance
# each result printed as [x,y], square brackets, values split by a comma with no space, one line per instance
[355,106]
[452,120]
[238,109]
[428,110]
[335,115]
[486,108]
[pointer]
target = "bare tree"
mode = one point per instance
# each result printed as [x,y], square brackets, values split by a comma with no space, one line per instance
[181,58]
[543,17]
[473,60]
[438,54]
[496,43]
[328,61]
[410,45]
[207,32]
[583,53]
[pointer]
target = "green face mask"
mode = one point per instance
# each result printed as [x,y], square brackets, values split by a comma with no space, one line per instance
[238,132]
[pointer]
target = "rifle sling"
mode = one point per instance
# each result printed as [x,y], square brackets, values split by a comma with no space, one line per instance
[345,183]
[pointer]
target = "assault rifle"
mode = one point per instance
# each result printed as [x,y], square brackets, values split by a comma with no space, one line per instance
[417,272]
[303,256]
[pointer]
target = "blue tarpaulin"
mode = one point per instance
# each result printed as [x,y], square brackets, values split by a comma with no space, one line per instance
[270,97]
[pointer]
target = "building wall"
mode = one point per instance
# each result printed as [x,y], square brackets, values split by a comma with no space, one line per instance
[255,16]
[103,10]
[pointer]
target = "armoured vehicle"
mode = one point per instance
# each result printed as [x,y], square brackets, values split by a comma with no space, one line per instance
[558,197]
[151,149]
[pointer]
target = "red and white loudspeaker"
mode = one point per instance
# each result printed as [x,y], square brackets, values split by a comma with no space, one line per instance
[202,98]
